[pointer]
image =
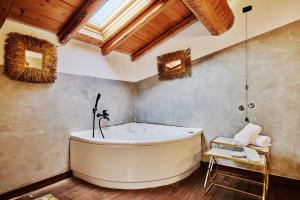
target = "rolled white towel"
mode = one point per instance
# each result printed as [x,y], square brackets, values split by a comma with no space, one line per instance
[261,141]
[247,134]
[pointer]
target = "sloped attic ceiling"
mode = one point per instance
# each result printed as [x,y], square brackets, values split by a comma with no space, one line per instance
[132,27]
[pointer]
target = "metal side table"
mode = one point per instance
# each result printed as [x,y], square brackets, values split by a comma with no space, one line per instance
[262,166]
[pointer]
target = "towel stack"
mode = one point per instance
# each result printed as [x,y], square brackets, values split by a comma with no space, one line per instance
[250,135]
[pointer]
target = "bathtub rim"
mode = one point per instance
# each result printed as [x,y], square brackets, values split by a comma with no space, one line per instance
[96,141]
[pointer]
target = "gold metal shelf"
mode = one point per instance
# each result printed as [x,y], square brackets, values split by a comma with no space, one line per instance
[226,141]
[226,154]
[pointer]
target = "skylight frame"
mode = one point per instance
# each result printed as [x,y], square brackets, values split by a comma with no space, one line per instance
[112,17]
[120,19]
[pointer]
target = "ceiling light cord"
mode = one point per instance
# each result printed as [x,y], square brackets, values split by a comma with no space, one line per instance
[246,68]
[247,105]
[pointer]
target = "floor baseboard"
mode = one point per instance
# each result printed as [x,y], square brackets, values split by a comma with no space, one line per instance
[35,186]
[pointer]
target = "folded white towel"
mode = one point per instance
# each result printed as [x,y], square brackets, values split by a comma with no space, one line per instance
[247,134]
[237,154]
[261,141]
[252,154]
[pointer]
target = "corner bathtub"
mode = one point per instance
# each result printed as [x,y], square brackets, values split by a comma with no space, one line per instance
[135,155]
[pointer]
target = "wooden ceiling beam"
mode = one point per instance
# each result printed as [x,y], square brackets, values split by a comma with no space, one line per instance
[156,8]
[88,39]
[169,33]
[215,15]
[5,6]
[78,19]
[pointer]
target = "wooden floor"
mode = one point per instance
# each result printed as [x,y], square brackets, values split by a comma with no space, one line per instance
[189,189]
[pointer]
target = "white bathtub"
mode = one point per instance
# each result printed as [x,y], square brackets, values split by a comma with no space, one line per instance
[135,155]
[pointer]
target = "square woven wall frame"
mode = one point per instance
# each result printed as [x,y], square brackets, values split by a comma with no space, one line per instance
[184,70]
[15,46]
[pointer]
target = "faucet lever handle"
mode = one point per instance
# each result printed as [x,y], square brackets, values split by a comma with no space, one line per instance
[105,112]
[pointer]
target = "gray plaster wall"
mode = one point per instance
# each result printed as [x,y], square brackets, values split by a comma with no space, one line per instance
[36,120]
[210,98]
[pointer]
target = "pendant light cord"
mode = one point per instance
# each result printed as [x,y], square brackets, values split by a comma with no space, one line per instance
[246,66]
[246,10]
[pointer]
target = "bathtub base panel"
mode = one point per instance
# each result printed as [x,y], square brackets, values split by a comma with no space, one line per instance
[136,185]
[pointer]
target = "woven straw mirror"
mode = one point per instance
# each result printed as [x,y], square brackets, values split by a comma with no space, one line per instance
[174,65]
[30,59]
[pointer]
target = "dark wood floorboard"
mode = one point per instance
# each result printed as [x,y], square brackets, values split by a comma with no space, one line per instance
[189,189]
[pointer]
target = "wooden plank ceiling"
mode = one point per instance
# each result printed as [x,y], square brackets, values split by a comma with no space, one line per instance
[45,14]
[167,19]
[159,22]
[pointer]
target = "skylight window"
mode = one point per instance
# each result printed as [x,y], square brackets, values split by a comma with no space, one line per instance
[115,15]
[106,14]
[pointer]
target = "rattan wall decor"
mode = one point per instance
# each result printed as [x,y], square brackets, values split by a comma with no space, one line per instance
[16,65]
[174,65]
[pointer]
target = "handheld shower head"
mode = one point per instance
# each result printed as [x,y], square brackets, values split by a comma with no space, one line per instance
[97,99]
[94,112]
[96,104]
